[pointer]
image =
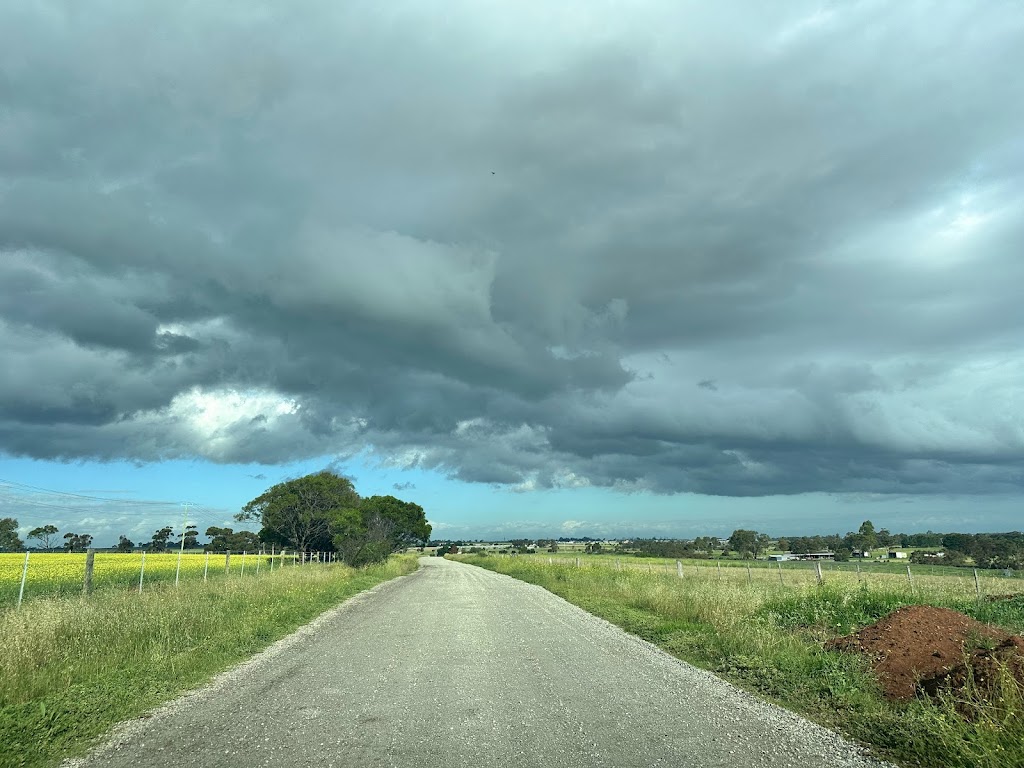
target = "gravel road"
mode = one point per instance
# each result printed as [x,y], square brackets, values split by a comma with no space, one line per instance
[457,666]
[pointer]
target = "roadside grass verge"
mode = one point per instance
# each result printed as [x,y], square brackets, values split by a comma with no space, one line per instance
[70,668]
[767,637]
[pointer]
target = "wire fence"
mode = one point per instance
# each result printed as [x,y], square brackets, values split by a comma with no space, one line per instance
[914,579]
[29,575]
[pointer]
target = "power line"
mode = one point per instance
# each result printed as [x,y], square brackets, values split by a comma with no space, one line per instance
[15,484]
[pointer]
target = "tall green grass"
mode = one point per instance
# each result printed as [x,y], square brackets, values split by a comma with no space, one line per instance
[72,667]
[766,636]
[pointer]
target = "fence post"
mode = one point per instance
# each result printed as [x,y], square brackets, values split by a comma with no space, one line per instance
[259,557]
[227,562]
[243,563]
[910,580]
[679,568]
[577,562]
[750,579]
[719,564]
[817,571]
[90,562]
[977,582]
[177,571]
[142,570]
[783,583]
[551,561]
[25,572]
[206,566]
[858,571]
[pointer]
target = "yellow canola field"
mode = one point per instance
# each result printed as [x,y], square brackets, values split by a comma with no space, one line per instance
[51,573]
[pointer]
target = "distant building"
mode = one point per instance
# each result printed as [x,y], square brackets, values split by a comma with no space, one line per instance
[897,555]
[782,557]
[817,556]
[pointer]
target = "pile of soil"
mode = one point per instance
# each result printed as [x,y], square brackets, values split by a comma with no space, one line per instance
[928,649]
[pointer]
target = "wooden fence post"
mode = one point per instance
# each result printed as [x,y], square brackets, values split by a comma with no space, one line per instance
[227,562]
[142,570]
[24,574]
[910,580]
[817,571]
[750,579]
[679,568]
[977,583]
[90,562]
[783,583]
[206,566]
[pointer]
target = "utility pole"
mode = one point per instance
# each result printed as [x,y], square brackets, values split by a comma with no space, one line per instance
[181,549]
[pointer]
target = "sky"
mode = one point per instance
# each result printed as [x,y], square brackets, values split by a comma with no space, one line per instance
[574,268]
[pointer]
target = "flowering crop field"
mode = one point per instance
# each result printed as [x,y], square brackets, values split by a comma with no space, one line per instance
[60,573]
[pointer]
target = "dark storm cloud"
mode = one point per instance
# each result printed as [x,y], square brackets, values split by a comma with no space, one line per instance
[739,251]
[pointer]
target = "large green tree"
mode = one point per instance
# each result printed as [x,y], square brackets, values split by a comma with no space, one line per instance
[9,541]
[748,544]
[299,513]
[77,542]
[228,540]
[160,539]
[379,526]
[44,535]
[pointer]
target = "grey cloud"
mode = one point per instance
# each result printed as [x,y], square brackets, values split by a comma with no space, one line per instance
[267,236]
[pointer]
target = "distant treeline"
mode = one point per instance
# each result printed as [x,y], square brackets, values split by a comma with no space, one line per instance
[983,550]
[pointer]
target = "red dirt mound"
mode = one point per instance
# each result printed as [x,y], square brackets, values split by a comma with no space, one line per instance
[923,648]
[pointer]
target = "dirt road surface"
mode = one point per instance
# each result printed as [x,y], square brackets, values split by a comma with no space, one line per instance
[457,666]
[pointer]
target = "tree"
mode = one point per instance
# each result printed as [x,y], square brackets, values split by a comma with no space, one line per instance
[379,526]
[124,544]
[865,539]
[743,542]
[191,538]
[228,540]
[9,541]
[44,535]
[160,539]
[77,542]
[298,513]
[761,543]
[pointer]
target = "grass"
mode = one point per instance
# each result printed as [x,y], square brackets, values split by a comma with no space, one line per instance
[766,636]
[892,569]
[72,667]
